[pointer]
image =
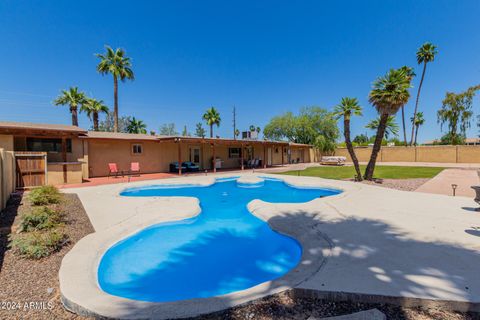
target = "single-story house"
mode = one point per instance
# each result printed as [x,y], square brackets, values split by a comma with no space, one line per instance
[59,154]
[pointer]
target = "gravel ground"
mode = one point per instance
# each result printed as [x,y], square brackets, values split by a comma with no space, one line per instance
[399,184]
[283,307]
[31,286]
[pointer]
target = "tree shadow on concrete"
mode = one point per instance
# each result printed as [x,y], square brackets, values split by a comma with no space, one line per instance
[7,217]
[388,264]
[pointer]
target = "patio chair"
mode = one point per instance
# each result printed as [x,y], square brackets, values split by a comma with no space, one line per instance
[113,170]
[191,167]
[255,163]
[134,168]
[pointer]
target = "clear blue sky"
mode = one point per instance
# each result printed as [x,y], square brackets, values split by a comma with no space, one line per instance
[264,57]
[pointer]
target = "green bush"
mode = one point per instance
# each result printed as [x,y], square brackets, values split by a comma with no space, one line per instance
[44,195]
[38,244]
[41,218]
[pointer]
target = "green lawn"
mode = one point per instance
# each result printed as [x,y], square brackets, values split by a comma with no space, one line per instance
[381,172]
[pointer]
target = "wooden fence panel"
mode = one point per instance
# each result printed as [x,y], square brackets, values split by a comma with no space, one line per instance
[31,169]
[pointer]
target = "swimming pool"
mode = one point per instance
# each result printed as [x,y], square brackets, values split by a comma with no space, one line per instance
[222,250]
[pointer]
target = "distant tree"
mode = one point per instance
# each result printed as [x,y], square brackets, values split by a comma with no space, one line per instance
[361,139]
[93,107]
[137,126]
[237,133]
[388,95]
[326,146]
[119,66]
[447,139]
[347,108]
[200,131]
[212,117]
[252,128]
[411,74]
[419,121]
[72,98]
[152,132]
[168,129]
[456,111]
[304,128]
[258,129]
[391,127]
[425,54]
[108,123]
[185,132]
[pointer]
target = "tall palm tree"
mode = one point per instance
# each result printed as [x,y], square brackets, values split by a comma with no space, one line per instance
[417,122]
[388,95]
[391,127]
[347,108]
[425,54]
[72,98]
[93,107]
[410,73]
[212,117]
[116,63]
[137,126]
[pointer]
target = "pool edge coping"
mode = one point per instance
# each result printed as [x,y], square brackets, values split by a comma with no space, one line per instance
[80,292]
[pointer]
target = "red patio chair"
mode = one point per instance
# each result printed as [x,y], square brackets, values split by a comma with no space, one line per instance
[135,168]
[113,170]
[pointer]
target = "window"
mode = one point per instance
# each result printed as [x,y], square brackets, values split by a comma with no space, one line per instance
[137,149]
[234,152]
[47,145]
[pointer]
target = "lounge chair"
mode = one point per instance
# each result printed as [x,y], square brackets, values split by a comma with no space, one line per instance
[333,160]
[190,166]
[113,170]
[134,168]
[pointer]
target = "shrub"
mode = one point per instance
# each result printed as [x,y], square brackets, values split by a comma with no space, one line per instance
[44,195]
[41,218]
[38,244]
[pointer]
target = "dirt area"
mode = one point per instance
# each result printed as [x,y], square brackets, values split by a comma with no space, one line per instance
[399,184]
[29,288]
[284,306]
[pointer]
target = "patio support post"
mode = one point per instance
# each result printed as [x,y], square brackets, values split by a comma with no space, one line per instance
[213,158]
[242,157]
[179,158]
[282,156]
[264,155]
[64,159]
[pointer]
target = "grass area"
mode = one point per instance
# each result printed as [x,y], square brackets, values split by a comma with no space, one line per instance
[381,172]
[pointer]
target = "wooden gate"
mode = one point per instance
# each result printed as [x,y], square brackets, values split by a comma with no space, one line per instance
[31,169]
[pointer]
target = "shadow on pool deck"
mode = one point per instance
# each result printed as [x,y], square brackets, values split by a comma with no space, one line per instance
[359,268]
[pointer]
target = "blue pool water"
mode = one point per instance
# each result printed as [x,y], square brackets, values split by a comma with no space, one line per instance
[224,249]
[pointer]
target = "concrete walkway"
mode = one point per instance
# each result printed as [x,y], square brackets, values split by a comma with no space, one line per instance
[380,245]
[427,164]
[442,183]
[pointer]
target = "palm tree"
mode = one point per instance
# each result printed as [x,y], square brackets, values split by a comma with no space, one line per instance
[237,133]
[137,126]
[92,107]
[116,63]
[212,117]
[410,73]
[389,93]
[347,108]
[419,121]
[72,98]
[252,128]
[391,127]
[425,54]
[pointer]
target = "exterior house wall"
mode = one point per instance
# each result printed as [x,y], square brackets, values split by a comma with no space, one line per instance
[7,175]
[102,152]
[6,142]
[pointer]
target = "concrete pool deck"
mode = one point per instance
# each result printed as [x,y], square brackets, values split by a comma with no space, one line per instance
[367,244]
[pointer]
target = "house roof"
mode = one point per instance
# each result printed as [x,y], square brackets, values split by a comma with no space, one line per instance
[27,127]
[120,136]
